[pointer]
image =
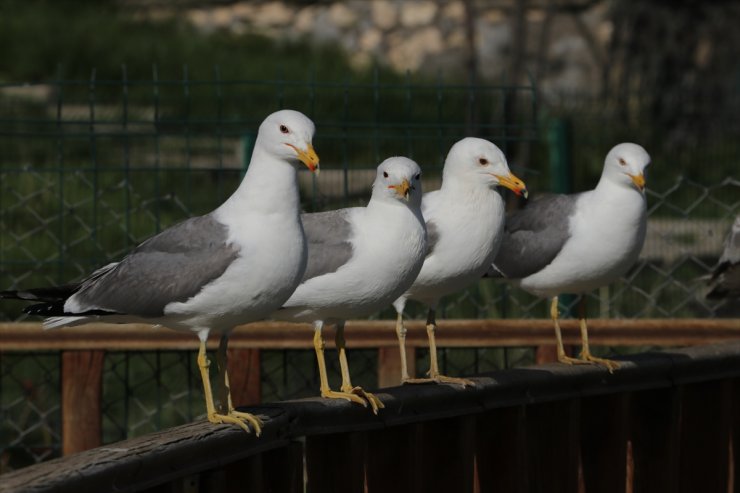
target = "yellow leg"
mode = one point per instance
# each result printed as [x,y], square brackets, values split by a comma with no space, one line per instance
[318,344]
[225,389]
[213,416]
[434,375]
[401,335]
[562,357]
[347,387]
[586,355]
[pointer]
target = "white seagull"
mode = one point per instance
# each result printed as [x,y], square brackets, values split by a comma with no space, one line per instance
[577,243]
[359,260]
[464,219]
[232,266]
[724,281]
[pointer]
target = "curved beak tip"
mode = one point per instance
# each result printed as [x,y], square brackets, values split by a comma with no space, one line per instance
[308,157]
[639,181]
[514,184]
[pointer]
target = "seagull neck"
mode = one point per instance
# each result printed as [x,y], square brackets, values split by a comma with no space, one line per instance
[607,186]
[465,192]
[270,185]
[382,206]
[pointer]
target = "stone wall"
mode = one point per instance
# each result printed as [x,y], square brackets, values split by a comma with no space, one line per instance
[431,35]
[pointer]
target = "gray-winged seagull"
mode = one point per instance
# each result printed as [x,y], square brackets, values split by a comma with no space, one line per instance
[464,219]
[725,278]
[577,243]
[359,260]
[232,266]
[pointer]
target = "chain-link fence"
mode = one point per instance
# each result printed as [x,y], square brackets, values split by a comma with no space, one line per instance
[88,169]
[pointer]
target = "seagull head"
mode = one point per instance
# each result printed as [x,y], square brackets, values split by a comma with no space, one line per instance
[398,178]
[626,165]
[288,135]
[480,162]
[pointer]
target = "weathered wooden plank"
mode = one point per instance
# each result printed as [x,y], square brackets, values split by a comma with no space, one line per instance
[604,436]
[705,437]
[81,378]
[244,376]
[553,446]
[655,435]
[170,455]
[378,333]
[335,463]
[501,460]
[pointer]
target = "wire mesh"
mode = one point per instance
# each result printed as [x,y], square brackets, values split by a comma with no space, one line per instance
[91,168]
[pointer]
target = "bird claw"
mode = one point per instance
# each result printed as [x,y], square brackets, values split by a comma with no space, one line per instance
[464,382]
[610,365]
[374,402]
[589,359]
[331,394]
[239,419]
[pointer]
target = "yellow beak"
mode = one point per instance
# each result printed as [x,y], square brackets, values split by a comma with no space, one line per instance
[639,181]
[513,183]
[307,157]
[403,189]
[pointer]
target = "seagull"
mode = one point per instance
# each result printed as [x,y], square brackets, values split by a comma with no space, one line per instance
[359,260]
[725,278]
[464,219]
[232,266]
[577,243]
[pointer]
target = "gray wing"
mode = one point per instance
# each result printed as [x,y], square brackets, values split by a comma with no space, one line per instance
[533,236]
[725,279]
[328,235]
[731,253]
[169,267]
[432,237]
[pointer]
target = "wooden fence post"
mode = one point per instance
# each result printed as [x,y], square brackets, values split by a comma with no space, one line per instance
[244,376]
[501,454]
[446,448]
[604,435]
[392,459]
[335,463]
[705,436]
[81,395]
[389,365]
[553,446]
[655,435]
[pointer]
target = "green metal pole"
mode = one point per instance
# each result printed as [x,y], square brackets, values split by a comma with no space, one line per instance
[560,146]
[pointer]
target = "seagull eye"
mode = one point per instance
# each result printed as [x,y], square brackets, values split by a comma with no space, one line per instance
[385,174]
[284,129]
[418,175]
[622,162]
[483,161]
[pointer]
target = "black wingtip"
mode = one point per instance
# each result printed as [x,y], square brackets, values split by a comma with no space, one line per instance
[45,309]
[48,294]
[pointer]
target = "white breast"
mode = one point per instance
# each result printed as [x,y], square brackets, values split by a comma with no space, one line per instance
[469,238]
[607,234]
[264,276]
[389,243]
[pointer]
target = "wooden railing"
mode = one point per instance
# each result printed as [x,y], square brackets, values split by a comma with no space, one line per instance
[83,349]
[666,421]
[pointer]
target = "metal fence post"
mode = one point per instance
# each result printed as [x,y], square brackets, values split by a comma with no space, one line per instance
[559,144]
